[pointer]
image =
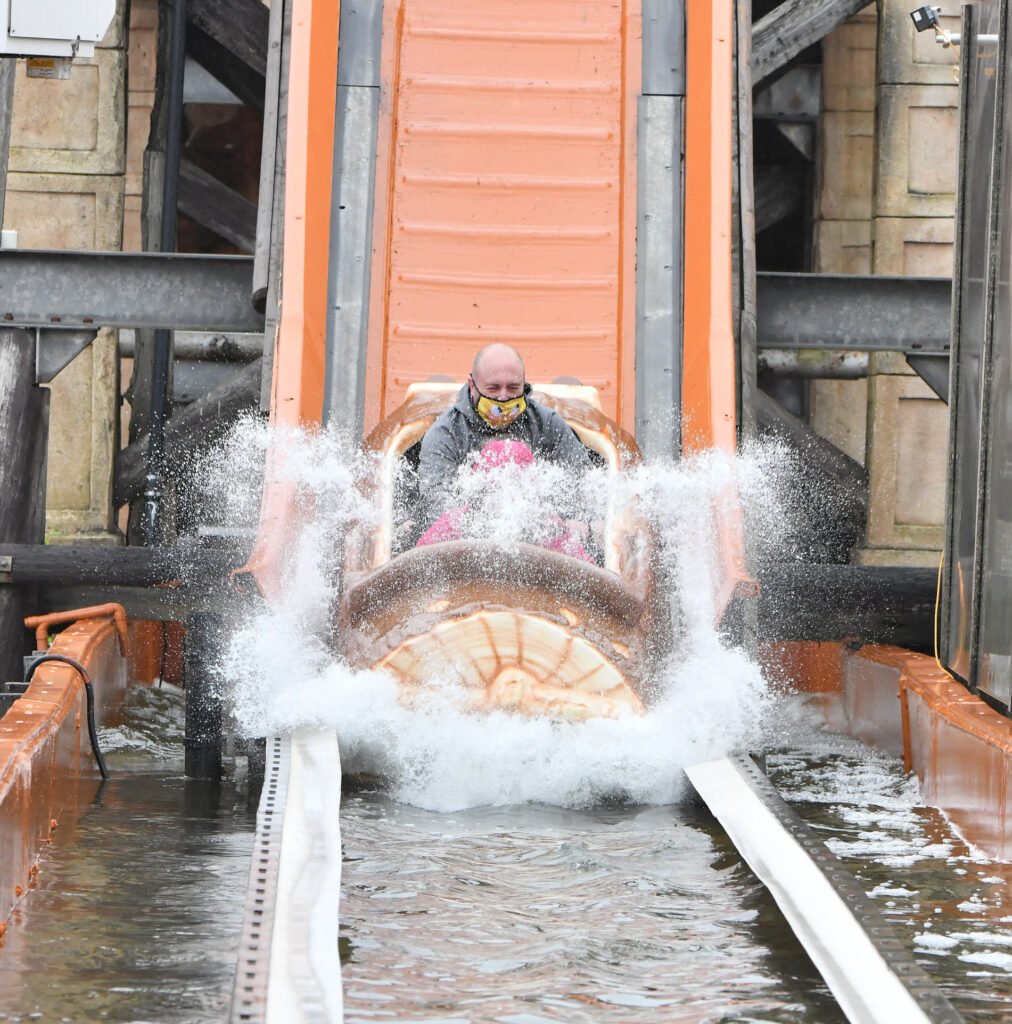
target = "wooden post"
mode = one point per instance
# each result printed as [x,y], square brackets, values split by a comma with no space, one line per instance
[24,434]
[8,67]
[139,391]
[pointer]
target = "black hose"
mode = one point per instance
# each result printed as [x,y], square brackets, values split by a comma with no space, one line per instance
[89,697]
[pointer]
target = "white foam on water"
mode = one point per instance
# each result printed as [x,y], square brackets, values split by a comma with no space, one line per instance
[711,698]
[936,942]
[1002,960]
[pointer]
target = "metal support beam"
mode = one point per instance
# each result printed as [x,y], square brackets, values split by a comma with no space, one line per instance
[659,145]
[203,346]
[659,281]
[795,96]
[860,313]
[56,349]
[356,124]
[820,364]
[49,288]
[879,604]
[933,369]
[778,194]
[188,561]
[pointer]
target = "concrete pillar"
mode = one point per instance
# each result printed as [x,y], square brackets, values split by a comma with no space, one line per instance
[886,204]
[917,141]
[65,191]
[844,203]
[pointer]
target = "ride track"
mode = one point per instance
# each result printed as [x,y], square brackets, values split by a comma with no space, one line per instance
[959,747]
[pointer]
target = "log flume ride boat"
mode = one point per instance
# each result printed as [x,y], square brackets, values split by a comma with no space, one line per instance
[563,637]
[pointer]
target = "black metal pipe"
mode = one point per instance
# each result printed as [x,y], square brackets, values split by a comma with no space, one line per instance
[202,741]
[162,356]
[89,696]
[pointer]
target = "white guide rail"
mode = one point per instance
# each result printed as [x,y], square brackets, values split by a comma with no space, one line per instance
[289,971]
[864,984]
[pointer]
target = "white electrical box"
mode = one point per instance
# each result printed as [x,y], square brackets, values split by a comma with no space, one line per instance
[54,28]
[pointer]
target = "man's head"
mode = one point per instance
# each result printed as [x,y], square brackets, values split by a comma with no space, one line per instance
[497,385]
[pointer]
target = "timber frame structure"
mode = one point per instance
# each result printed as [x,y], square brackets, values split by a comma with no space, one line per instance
[53,300]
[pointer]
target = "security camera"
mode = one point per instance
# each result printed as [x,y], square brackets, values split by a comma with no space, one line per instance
[925,18]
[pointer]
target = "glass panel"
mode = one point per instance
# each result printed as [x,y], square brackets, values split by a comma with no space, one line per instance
[994,662]
[981,59]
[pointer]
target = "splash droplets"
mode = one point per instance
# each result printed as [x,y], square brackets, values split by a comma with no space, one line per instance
[710,696]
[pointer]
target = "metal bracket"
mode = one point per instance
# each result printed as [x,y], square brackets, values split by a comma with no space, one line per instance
[56,349]
[933,369]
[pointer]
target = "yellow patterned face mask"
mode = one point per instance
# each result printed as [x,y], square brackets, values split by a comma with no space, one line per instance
[499,413]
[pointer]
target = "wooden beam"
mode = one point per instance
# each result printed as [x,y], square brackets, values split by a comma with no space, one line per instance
[24,432]
[229,39]
[214,205]
[792,27]
[156,604]
[777,195]
[870,603]
[189,428]
[185,562]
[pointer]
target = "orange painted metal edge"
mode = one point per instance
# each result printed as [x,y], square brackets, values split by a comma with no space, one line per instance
[44,750]
[300,344]
[299,353]
[709,385]
[902,702]
[708,373]
[632,56]
[958,746]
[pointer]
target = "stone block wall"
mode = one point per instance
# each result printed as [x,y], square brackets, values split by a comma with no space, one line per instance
[75,182]
[886,202]
[845,166]
[65,190]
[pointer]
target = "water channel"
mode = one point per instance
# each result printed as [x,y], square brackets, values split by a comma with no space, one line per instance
[514,913]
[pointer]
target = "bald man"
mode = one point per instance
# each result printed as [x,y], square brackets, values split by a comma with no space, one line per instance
[494,403]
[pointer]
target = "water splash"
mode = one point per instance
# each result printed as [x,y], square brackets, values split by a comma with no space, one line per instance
[710,696]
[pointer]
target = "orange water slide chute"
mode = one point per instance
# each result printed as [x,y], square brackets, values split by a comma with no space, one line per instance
[709,382]
[709,390]
[708,393]
[505,201]
[300,344]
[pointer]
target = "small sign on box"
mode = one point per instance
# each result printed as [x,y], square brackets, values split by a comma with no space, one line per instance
[49,67]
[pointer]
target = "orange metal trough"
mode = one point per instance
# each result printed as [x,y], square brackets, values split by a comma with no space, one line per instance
[904,704]
[44,750]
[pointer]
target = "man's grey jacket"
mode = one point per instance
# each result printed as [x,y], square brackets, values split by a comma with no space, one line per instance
[460,433]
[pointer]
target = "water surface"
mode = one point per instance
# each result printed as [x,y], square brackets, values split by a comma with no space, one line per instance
[138,908]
